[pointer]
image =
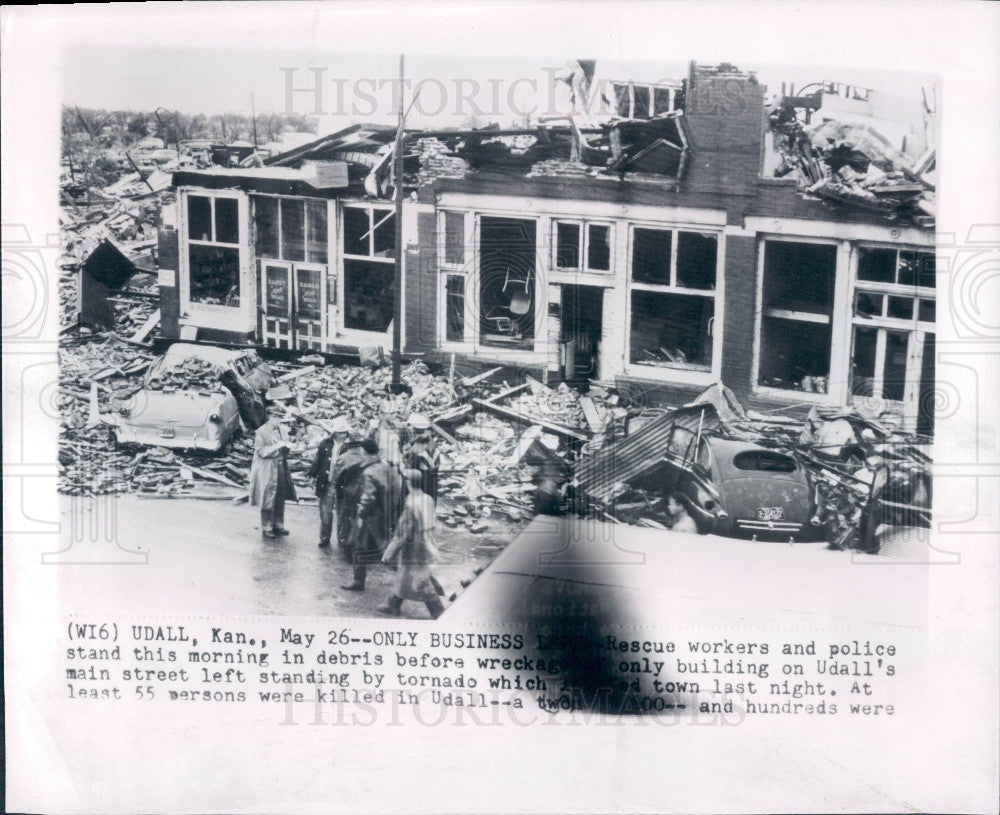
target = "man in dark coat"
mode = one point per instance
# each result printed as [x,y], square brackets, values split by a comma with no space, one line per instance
[324,471]
[379,505]
[347,475]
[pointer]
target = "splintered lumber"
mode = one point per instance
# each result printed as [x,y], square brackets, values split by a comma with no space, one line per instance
[444,434]
[507,413]
[524,443]
[145,329]
[504,394]
[308,369]
[473,380]
[215,477]
[590,414]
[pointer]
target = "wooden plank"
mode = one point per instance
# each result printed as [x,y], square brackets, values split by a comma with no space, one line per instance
[147,327]
[444,434]
[525,442]
[308,369]
[472,380]
[214,477]
[507,413]
[508,392]
[590,414]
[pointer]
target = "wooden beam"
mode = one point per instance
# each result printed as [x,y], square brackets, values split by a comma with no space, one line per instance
[507,413]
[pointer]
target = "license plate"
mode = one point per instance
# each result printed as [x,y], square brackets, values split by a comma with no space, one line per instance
[770,513]
[167,432]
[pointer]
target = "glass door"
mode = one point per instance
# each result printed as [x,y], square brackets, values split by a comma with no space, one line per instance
[277,327]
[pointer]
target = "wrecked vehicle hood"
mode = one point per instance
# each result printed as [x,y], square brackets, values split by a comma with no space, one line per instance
[178,408]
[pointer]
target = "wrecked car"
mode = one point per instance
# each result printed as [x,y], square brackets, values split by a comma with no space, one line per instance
[737,488]
[195,397]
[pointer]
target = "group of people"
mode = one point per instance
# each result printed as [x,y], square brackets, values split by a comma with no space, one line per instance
[377,496]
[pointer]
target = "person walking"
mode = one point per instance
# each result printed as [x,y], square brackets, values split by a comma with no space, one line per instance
[421,453]
[324,471]
[412,550]
[379,506]
[270,483]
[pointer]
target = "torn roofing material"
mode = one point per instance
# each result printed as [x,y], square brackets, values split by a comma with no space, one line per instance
[599,474]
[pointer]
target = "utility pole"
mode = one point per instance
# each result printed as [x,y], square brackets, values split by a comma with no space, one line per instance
[396,386]
[253,122]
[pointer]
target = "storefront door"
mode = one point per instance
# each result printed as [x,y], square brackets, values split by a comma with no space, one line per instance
[294,297]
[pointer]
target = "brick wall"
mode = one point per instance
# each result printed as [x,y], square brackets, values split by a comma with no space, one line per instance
[725,122]
[421,287]
[740,303]
[170,298]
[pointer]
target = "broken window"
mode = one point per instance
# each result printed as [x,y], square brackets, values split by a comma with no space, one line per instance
[671,330]
[215,274]
[507,282]
[369,280]
[583,246]
[316,232]
[369,232]
[651,255]
[369,288]
[292,229]
[199,218]
[796,324]
[905,267]
[599,247]
[213,250]
[671,322]
[454,238]
[568,239]
[455,308]
[696,256]
[893,318]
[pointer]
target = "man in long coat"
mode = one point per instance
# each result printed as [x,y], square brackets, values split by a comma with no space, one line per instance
[413,550]
[348,472]
[270,483]
[379,505]
[324,470]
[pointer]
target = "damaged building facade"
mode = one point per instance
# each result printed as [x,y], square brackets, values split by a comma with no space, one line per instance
[651,250]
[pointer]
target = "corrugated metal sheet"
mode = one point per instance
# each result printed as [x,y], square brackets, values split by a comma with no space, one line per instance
[597,474]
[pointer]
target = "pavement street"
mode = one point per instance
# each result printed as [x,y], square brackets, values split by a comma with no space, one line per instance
[208,557]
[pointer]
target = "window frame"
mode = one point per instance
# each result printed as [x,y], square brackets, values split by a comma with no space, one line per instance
[242,317]
[672,371]
[583,245]
[916,329]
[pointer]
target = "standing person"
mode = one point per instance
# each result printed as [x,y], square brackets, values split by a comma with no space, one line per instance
[348,470]
[421,453]
[270,483]
[379,505]
[413,549]
[324,470]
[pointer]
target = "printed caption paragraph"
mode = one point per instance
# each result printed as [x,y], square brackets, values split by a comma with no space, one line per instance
[345,674]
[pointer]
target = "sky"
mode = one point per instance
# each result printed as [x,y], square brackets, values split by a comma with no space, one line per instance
[363,86]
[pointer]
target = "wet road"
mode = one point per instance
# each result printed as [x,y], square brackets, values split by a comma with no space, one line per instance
[209,556]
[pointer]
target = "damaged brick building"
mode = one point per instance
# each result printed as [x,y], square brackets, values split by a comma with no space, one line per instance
[652,249]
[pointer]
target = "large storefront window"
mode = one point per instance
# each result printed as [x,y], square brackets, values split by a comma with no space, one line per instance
[672,299]
[797,315]
[369,241]
[213,250]
[507,282]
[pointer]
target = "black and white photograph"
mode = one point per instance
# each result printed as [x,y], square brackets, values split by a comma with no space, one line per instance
[521,364]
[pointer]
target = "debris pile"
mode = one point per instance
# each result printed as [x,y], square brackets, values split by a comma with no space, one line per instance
[193,373]
[853,164]
[847,457]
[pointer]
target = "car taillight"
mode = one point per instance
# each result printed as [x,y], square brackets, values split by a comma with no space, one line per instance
[215,418]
